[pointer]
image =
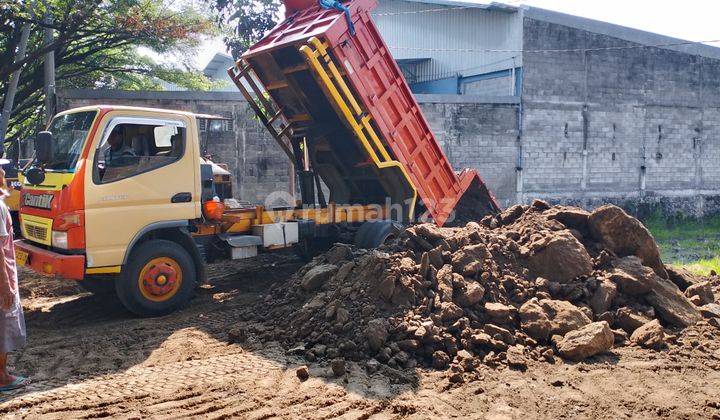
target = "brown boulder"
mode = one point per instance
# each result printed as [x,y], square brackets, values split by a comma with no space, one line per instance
[650,335]
[681,277]
[587,341]
[625,235]
[571,217]
[562,259]
[541,319]
[469,260]
[445,283]
[500,312]
[630,320]
[515,357]
[633,278]
[703,291]
[711,310]
[376,333]
[603,297]
[317,276]
[386,287]
[671,305]
[471,294]
[450,311]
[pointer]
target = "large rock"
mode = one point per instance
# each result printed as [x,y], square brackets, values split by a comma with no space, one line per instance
[671,305]
[703,291]
[317,276]
[711,310]
[603,297]
[650,335]
[469,260]
[625,235]
[445,283]
[471,294]
[630,320]
[376,333]
[681,277]
[544,318]
[562,259]
[632,277]
[500,312]
[587,341]
[571,217]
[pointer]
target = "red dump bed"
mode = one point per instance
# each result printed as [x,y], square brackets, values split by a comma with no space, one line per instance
[376,81]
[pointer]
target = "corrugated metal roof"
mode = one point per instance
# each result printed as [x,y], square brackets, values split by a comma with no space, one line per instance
[617,31]
[502,7]
[219,61]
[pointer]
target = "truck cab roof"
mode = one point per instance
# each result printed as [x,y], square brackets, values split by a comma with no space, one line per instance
[143,109]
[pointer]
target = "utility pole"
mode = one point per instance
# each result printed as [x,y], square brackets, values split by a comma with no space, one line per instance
[49,67]
[12,86]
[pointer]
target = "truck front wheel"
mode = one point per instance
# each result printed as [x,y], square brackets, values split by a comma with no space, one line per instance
[158,279]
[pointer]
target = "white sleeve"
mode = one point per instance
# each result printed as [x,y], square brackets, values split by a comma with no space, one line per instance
[4,214]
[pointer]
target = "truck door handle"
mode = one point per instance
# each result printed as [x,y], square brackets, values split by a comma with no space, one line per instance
[183,197]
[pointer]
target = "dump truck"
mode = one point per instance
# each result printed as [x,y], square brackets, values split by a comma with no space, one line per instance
[123,200]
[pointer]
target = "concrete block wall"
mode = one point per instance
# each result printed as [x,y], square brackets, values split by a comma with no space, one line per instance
[633,125]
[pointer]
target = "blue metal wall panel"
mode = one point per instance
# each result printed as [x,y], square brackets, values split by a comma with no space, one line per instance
[441,35]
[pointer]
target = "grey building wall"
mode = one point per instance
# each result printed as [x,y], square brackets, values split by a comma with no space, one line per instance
[637,124]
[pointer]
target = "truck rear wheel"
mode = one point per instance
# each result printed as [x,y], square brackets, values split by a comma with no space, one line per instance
[376,233]
[158,279]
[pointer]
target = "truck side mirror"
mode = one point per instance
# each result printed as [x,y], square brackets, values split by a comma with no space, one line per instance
[44,147]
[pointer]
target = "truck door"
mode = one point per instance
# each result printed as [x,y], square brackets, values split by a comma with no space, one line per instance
[141,172]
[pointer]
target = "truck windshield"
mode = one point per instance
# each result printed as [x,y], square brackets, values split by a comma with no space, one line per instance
[69,134]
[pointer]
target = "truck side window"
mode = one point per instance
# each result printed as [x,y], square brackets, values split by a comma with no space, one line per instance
[133,149]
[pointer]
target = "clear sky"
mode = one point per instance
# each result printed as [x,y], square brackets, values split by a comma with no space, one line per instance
[693,20]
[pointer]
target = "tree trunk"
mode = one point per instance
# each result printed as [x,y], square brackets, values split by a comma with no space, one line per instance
[49,71]
[12,86]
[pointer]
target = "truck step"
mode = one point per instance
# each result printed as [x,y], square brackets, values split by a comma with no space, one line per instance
[242,246]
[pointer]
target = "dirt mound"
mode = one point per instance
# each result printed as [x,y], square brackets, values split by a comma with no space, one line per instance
[534,283]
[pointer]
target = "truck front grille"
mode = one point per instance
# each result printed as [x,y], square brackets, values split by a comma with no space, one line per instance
[38,233]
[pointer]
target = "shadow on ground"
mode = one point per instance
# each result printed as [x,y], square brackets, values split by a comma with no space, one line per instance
[75,336]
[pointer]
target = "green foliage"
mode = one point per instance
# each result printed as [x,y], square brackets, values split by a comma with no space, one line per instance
[97,45]
[249,20]
[690,243]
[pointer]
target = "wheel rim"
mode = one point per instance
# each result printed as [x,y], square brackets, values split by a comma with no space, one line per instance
[160,279]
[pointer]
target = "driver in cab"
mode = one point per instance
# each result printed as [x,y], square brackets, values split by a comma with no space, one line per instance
[118,153]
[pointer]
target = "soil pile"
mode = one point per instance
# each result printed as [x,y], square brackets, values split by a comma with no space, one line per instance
[533,283]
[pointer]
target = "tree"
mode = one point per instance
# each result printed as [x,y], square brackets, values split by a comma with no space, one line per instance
[96,45]
[248,19]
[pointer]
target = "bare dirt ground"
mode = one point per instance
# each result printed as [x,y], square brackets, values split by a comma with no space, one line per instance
[90,358]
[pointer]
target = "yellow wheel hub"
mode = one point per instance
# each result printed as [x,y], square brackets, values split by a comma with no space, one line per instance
[160,279]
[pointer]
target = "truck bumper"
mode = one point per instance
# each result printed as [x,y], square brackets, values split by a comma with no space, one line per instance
[49,263]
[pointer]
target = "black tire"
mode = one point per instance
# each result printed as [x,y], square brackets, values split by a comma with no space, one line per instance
[128,286]
[373,234]
[99,285]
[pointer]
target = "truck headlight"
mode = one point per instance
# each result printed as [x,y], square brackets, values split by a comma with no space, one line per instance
[59,239]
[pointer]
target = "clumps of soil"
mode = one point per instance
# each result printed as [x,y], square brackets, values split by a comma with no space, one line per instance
[532,284]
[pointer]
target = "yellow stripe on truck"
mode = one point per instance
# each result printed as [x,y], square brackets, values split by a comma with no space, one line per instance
[114,269]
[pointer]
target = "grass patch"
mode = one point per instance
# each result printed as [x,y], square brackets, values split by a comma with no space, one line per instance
[703,267]
[692,244]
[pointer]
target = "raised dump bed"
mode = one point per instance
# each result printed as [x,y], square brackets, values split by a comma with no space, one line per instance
[338,105]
